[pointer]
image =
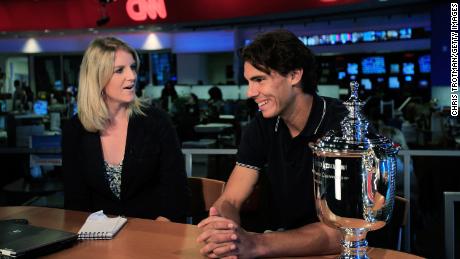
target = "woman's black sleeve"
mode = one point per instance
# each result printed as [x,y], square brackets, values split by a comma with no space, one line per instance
[76,195]
[174,191]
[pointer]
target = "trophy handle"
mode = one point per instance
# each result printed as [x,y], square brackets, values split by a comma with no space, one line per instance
[373,200]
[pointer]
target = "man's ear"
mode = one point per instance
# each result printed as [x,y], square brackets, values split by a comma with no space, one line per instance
[296,76]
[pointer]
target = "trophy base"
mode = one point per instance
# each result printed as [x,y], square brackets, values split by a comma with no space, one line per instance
[354,243]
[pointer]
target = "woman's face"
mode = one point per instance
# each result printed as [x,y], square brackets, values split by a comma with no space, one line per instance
[120,90]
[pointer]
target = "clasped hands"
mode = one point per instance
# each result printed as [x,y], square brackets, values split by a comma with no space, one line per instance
[223,238]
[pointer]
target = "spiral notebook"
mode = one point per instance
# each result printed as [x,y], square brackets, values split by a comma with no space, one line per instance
[99,226]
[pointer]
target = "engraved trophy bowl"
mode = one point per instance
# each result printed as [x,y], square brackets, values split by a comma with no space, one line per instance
[354,178]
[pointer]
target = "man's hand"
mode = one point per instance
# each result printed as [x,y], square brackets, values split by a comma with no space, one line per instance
[223,238]
[160,218]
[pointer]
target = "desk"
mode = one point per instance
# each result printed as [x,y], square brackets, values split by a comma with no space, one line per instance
[212,127]
[139,238]
[223,133]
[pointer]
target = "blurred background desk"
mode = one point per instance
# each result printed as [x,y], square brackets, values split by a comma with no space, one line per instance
[223,133]
[139,238]
[212,127]
[30,173]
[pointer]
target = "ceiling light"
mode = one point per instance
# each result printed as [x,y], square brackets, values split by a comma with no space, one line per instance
[103,21]
[104,17]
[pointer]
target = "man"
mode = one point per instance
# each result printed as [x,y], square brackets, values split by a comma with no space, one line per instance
[281,73]
[19,96]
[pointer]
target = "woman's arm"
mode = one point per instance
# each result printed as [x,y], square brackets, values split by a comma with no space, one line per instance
[76,195]
[174,192]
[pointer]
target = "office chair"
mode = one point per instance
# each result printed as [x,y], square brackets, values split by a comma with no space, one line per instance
[390,236]
[35,187]
[450,200]
[205,192]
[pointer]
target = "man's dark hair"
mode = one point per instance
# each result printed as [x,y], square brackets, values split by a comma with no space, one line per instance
[283,52]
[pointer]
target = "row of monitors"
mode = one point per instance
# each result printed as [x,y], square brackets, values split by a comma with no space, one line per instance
[376,65]
[40,107]
[229,92]
[356,37]
[235,92]
[393,82]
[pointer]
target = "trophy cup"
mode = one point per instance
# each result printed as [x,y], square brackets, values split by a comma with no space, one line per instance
[354,179]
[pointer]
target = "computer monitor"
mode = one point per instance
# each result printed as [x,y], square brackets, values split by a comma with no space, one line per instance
[333,38]
[408,78]
[393,82]
[313,40]
[356,36]
[373,65]
[2,122]
[367,83]
[380,35]
[74,109]
[323,40]
[345,37]
[3,106]
[41,107]
[341,75]
[392,34]
[408,68]
[352,68]
[423,83]
[424,63]
[405,33]
[58,85]
[304,40]
[394,68]
[369,36]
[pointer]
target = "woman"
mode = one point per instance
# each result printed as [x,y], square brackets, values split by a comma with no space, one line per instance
[118,154]
[215,103]
[168,96]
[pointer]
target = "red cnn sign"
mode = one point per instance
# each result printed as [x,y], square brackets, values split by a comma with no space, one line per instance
[139,10]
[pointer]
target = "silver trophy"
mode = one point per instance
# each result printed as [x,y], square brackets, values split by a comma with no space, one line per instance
[354,179]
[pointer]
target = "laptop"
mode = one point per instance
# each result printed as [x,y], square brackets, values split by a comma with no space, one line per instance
[22,240]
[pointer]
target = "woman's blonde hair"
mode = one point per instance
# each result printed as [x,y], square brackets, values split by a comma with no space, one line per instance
[96,70]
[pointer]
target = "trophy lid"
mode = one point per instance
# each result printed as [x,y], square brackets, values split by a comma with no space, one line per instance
[354,136]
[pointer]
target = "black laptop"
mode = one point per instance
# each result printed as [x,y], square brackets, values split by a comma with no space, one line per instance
[22,240]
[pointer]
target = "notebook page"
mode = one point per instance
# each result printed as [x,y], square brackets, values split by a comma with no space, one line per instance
[99,226]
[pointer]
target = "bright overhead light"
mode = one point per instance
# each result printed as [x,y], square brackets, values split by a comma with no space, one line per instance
[31,46]
[152,42]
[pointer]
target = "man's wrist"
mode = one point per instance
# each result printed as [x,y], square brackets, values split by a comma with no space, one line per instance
[259,245]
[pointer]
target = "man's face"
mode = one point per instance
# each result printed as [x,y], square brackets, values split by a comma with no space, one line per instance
[272,92]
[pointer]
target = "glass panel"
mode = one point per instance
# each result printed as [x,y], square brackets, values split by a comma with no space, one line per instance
[71,69]
[47,73]
[143,77]
[163,67]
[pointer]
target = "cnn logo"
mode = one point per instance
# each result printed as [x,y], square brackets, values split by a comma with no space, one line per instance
[139,10]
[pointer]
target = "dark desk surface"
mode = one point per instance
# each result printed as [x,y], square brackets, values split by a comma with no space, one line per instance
[139,238]
[37,188]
